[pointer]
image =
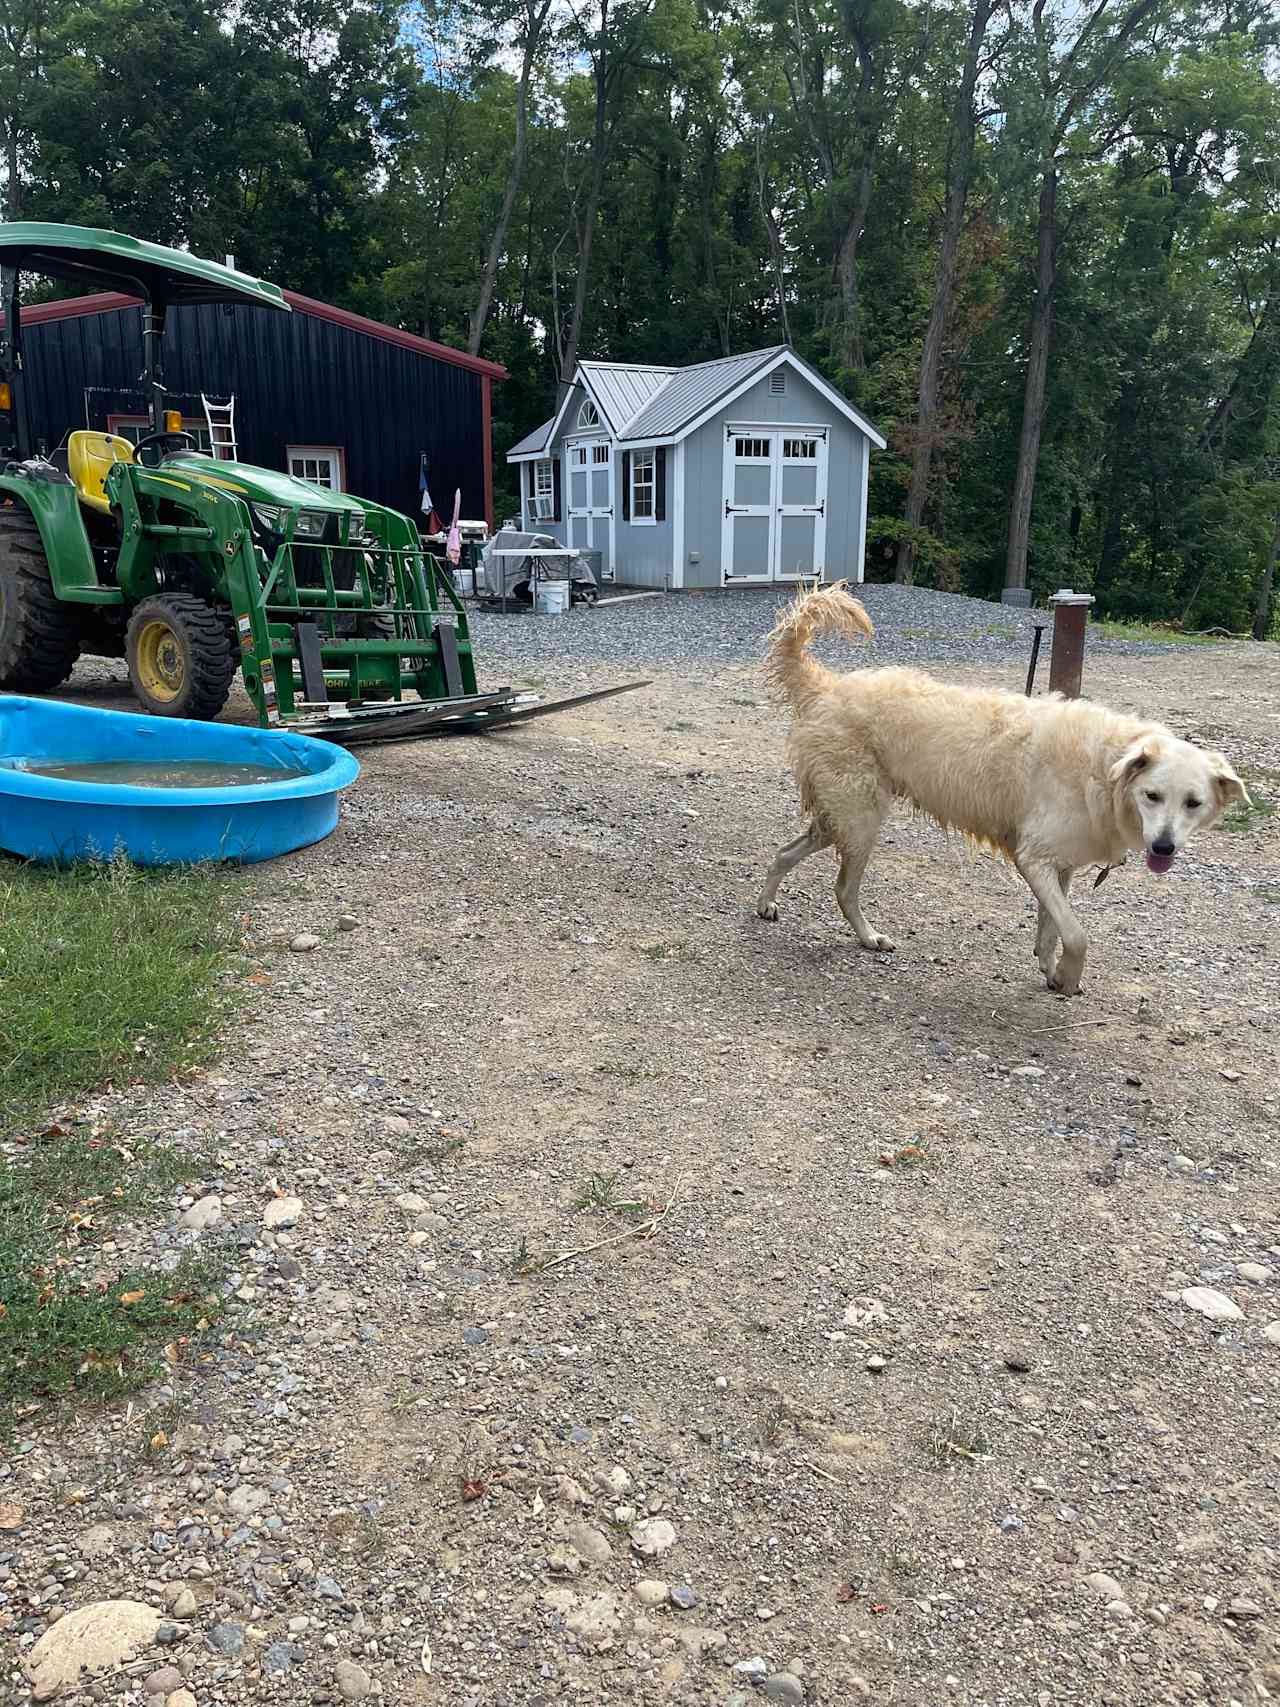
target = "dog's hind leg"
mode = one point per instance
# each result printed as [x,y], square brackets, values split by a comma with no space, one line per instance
[1045,883]
[856,842]
[1046,929]
[786,859]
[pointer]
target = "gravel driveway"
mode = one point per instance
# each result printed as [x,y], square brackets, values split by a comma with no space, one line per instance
[669,1307]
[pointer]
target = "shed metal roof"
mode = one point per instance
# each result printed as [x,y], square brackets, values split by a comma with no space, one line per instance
[533,443]
[690,390]
[621,389]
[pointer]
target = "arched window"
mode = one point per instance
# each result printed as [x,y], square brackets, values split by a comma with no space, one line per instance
[588,415]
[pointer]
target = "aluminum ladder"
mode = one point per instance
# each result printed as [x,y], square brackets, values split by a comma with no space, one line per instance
[221,421]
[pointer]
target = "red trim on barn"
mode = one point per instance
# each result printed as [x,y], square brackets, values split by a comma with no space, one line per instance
[486,430]
[107,302]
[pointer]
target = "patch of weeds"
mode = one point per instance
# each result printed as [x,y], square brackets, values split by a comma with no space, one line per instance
[771,1424]
[957,1438]
[1248,816]
[627,1070]
[524,1260]
[603,1192]
[680,727]
[1268,893]
[914,1155]
[95,1335]
[357,1533]
[1162,633]
[675,948]
[108,973]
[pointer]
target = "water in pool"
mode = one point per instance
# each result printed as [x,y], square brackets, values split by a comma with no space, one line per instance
[163,773]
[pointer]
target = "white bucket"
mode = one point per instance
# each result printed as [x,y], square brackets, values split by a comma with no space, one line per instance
[552,599]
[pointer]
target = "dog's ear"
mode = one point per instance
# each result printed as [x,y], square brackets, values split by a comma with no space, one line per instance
[1226,784]
[1135,759]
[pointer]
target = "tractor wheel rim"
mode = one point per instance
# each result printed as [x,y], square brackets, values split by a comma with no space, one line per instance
[162,672]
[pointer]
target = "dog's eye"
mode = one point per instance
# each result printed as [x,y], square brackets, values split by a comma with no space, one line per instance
[1152,796]
[1194,805]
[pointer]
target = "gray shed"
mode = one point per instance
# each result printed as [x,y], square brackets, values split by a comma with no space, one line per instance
[750,469]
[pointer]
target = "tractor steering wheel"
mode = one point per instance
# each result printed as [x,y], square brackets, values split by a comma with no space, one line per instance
[159,445]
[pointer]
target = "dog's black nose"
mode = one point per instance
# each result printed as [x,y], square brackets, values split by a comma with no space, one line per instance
[1163,847]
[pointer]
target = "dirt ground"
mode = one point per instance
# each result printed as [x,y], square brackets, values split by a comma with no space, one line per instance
[849,1286]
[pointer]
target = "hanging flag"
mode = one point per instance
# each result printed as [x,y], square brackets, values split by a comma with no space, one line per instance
[453,546]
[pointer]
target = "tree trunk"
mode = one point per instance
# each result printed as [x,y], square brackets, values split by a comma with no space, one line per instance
[849,346]
[962,140]
[489,277]
[1262,611]
[1041,333]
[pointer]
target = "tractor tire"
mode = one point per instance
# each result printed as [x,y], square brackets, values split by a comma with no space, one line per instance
[39,634]
[181,658]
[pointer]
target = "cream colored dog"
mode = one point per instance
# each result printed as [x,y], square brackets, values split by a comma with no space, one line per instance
[1051,784]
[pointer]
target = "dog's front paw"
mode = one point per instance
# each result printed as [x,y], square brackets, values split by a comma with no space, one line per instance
[877,944]
[768,910]
[1062,985]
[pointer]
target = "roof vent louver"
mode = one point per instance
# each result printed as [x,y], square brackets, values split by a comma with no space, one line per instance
[778,382]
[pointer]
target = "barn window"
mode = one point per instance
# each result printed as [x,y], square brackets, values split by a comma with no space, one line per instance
[544,490]
[800,450]
[588,415]
[752,450]
[600,453]
[778,382]
[642,486]
[135,427]
[318,465]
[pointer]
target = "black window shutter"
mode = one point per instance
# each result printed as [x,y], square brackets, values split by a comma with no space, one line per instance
[529,477]
[626,485]
[555,480]
[660,483]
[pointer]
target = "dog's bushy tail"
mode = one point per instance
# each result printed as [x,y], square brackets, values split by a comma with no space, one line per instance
[793,676]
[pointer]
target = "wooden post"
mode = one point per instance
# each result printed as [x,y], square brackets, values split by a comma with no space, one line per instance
[1070,618]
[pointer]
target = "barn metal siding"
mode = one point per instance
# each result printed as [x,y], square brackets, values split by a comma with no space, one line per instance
[297,380]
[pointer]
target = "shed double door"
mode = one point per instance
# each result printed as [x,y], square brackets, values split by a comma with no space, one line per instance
[591,500]
[775,503]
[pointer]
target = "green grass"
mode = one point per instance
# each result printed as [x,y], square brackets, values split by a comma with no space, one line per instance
[1148,631]
[108,974]
[1248,817]
[86,1327]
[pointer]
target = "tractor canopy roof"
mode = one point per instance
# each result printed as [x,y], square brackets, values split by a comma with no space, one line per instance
[108,260]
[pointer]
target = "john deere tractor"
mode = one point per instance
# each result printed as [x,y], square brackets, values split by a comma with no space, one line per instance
[192,568]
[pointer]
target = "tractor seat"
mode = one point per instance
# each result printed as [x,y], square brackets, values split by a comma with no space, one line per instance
[90,457]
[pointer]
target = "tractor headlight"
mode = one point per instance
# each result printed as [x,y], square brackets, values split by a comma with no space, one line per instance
[310,524]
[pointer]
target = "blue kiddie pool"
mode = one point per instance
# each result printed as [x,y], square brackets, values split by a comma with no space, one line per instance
[81,784]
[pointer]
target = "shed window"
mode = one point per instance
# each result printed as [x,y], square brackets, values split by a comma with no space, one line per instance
[752,450]
[600,453]
[579,456]
[544,490]
[778,382]
[318,465]
[800,450]
[588,415]
[643,483]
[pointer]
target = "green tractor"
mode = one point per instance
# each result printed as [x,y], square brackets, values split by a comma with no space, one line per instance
[191,567]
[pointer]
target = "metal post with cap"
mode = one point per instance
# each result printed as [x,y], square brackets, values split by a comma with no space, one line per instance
[1070,618]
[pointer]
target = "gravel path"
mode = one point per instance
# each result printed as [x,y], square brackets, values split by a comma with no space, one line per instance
[914,625]
[635,1303]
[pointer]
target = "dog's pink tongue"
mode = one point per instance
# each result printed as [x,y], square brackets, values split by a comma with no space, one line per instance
[1159,863]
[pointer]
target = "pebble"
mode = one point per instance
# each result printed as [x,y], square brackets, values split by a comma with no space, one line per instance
[181,1698]
[353,1682]
[281,1656]
[226,1639]
[348,922]
[185,1604]
[1272,1332]
[652,1537]
[588,1542]
[683,1597]
[206,1212]
[1257,1272]
[245,1500]
[1241,1607]
[282,1212]
[1105,1585]
[755,1670]
[163,1682]
[327,1589]
[596,1623]
[782,1687]
[877,1364]
[304,942]
[1215,1305]
[411,1203]
[650,1592]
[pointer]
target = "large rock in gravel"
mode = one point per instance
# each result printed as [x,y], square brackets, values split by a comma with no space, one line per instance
[282,1212]
[1213,1304]
[595,1623]
[353,1682]
[206,1212]
[95,1639]
[652,1537]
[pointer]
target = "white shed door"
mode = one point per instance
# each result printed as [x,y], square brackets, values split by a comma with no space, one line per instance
[591,500]
[775,522]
